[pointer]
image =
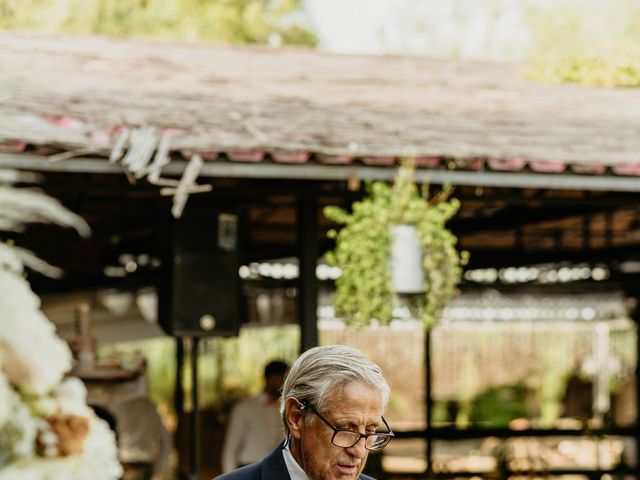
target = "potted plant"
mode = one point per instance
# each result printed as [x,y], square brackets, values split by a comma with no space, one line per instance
[365,243]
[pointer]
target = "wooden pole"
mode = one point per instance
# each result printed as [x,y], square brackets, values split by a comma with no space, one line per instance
[428,402]
[307,223]
[195,414]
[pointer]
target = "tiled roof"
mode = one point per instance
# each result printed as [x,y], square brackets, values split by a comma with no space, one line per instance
[296,106]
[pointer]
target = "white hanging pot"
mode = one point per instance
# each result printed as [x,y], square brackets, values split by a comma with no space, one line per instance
[407,275]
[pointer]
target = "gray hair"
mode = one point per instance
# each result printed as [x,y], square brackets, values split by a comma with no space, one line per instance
[321,369]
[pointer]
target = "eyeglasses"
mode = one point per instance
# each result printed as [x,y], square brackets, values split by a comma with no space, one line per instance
[347,438]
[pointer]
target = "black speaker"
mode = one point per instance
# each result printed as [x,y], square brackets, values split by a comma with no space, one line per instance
[201,294]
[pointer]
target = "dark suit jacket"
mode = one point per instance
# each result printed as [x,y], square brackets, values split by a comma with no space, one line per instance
[271,467]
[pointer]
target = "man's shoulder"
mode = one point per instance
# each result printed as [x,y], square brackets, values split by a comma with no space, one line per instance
[248,472]
[252,472]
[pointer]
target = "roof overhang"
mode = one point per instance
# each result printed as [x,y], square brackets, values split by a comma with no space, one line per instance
[315,171]
[294,113]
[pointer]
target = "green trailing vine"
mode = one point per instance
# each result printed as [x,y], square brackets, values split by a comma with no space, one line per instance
[363,248]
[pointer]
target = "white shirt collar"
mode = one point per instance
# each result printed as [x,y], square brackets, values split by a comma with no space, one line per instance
[295,471]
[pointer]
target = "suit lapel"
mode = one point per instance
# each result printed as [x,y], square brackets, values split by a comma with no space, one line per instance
[273,466]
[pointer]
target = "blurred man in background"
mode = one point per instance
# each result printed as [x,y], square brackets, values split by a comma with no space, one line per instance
[255,427]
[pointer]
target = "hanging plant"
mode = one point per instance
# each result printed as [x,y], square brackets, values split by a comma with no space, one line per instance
[364,244]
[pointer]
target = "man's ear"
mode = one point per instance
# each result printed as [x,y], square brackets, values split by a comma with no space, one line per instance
[294,417]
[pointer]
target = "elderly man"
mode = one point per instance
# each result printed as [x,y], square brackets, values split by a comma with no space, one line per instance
[331,407]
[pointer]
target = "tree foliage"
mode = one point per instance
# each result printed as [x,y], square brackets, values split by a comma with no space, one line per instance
[228,21]
[586,42]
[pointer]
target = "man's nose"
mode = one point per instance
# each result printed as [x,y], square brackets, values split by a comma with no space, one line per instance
[358,449]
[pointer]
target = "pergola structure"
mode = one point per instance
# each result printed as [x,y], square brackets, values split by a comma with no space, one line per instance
[125,131]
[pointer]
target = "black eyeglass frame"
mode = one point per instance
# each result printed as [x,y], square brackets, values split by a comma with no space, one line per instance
[389,435]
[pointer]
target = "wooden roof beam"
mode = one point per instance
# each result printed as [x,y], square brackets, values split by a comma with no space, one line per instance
[312,171]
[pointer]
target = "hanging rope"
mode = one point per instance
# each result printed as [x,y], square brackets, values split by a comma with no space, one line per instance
[134,150]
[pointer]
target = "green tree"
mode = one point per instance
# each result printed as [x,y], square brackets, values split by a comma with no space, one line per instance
[227,21]
[586,42]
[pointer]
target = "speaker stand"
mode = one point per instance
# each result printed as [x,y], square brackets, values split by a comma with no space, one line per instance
[194,458]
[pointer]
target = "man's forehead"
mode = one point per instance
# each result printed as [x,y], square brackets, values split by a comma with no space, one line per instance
[354,395]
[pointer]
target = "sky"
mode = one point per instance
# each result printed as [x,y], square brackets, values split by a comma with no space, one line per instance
[473,29]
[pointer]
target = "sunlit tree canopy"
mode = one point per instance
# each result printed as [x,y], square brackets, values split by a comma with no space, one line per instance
[587,42]
[227,21]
